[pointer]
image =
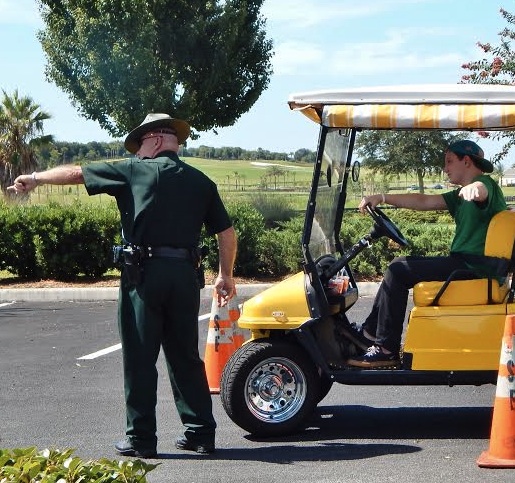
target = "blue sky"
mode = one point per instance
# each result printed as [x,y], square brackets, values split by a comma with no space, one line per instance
[318,44]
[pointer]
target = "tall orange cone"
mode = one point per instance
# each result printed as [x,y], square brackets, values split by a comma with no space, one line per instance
[501,453]
[220,344]
[234,315]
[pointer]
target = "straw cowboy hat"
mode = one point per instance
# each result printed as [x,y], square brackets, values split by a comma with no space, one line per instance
[155,121]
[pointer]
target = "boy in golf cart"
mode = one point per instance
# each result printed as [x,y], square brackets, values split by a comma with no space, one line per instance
[472,207]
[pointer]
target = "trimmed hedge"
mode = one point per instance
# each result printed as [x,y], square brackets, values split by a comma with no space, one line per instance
[58,241]
[64,242]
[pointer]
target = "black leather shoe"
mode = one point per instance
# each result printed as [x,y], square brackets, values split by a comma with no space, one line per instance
[198,447]
[126,448]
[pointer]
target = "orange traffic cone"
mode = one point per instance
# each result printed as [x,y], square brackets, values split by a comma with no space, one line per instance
[220,344]
[234,315]
[501,453]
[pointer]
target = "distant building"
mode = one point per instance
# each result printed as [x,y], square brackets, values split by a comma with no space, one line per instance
[508,178]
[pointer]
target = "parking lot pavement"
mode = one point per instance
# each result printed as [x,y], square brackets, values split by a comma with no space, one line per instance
[50,397]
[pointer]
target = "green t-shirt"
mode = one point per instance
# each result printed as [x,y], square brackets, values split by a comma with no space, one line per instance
[472,218]
[162,201]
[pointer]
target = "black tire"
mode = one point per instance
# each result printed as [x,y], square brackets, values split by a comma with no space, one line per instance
[269,387]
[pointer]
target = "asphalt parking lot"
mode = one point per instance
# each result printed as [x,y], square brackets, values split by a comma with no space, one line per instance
[54,396]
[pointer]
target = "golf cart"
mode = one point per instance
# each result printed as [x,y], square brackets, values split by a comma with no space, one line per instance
[298,346]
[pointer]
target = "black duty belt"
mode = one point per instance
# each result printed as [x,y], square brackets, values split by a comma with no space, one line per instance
[168,252]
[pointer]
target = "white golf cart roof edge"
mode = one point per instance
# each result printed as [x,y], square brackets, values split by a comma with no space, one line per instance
[412,94]
[427,106]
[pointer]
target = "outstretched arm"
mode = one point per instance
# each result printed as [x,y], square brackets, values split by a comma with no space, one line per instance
[413,201]
[62,175]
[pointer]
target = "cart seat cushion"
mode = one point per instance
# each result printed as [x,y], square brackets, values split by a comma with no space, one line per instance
[460,292]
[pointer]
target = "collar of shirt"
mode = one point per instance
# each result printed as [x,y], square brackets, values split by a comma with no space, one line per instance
[169,154]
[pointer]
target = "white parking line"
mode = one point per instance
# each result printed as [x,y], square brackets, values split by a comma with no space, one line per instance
[117,347]
[102,352]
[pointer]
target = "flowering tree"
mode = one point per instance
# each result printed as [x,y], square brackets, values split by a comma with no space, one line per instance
[496,67]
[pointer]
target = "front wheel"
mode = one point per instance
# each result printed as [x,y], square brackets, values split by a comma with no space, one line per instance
[269,387]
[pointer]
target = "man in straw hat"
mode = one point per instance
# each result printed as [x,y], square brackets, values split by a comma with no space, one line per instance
[472,206]
[163,204]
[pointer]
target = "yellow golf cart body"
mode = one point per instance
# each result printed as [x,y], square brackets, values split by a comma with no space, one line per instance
[455,327]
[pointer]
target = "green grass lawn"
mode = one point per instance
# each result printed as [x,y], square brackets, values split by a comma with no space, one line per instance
[241,180]
[237,180]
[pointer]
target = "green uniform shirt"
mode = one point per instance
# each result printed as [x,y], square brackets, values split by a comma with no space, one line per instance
[472,218]
[162,201]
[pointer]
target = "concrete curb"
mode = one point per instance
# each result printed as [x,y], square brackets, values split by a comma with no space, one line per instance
[78,294]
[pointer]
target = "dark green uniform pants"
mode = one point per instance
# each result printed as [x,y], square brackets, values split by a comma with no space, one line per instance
[163,311]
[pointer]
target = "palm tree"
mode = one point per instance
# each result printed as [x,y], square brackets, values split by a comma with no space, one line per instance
[274,172]
[499,173]
[236,179]
[21,131]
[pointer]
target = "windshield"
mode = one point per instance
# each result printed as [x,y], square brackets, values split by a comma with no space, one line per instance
[327,198]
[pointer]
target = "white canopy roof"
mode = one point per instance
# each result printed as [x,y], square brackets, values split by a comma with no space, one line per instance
[438,106]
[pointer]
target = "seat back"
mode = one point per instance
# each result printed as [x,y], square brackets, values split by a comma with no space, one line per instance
[500,236]
[499,243]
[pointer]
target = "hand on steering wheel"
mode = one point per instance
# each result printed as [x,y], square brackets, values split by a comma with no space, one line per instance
[370,200]
[384,226]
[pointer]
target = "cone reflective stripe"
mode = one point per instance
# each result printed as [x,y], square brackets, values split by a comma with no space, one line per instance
[501,452]
[220,344]
[234,315]
[234,310]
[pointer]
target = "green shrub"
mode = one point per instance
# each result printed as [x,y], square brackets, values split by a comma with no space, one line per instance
[58,241]
[17,250]
[274,208]
[281,251]
[56,466]
[249,226]
[411,216]
[67,241]
[428,235]
[72,240]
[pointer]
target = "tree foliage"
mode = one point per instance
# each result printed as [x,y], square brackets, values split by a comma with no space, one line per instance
[400,152]
[204,61]
[496,67]
[305,155]
[65,152]
[21,133]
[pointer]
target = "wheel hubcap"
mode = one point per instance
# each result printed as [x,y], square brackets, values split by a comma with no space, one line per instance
[275,390]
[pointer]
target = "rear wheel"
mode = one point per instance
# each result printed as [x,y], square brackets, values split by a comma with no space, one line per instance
[269,387]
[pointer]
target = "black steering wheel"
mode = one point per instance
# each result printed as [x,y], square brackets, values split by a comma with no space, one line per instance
[384,226]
